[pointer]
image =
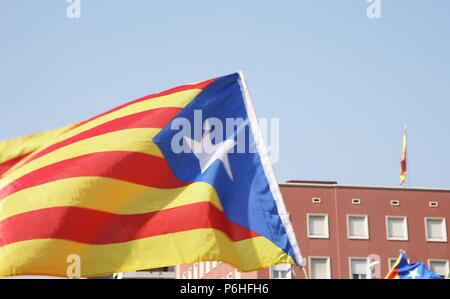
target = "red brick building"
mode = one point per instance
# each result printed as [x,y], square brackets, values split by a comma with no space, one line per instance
[339,226]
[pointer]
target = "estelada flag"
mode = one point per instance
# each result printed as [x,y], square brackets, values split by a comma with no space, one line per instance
[403,161]
[134,189]
[402,269]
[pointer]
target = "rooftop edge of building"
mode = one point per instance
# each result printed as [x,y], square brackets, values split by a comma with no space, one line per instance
[334,184]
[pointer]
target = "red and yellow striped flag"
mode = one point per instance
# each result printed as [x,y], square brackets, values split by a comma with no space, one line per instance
[106,190]
[403,161]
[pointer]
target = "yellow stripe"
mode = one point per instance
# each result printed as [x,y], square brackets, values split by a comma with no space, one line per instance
[17,147]
[397,262]
[133,140]
[104,194]
[404,143]
[176,100]
[48,257]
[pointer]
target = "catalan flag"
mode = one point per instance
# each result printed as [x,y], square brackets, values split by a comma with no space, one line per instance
[403,161]
[139,187]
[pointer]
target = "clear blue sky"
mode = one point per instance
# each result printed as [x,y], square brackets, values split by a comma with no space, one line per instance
[342,85]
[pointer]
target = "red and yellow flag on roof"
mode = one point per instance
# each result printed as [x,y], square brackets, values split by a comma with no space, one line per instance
[403,161]
[115,191]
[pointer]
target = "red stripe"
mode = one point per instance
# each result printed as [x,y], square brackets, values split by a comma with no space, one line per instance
[96,227]
[201,85]
[10,163]
[403,166]
[393,274]
[132,167]
[156,118]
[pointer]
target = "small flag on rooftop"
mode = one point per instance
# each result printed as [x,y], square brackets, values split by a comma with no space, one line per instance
[403,162]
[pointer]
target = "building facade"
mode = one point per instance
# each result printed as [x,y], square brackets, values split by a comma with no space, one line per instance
[342,229]
[158,273]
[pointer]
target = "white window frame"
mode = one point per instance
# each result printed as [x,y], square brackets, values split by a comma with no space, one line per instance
[405,228]
[350,274]
[201,269]
[366,226]
[327,235]
[271,274]
[207,267]
[429,261]
[320,257]
[195,271]
[444,227]
[288,276]
[237,274]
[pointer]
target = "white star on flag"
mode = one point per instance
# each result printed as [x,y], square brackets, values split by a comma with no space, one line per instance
[414,274]
[207,153]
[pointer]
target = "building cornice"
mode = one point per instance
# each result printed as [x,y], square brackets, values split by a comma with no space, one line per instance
[326,185]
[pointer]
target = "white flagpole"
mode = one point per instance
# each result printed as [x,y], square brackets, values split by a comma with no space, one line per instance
[267,166]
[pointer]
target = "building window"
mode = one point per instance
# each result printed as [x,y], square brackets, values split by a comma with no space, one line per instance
[281,271]
[317,226]
[358,268]
[184,275]
[319,268]
[356,201]
[397,228]
[433,204]
[357,227]
[440,267]
[395,203]
[189,273]
[316,200]
[436,229]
